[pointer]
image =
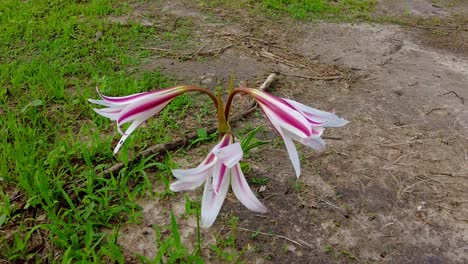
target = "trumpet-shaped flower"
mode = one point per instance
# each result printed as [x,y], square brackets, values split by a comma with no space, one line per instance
[135,108]
[295,121]
[219,169]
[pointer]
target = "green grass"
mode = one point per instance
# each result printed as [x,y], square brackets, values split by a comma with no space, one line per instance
[309,9]
[304,9]
[335,11]
[171,249]
[54,204]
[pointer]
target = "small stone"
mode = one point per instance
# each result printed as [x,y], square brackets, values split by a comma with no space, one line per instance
[291,248]
[98,35]
[41,218]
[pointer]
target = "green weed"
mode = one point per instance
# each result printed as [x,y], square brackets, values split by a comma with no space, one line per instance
[170,249]
[329,249]
[203,136]
[225,247]
[249,142]
[259,180]
[55,204]
[318,8]
[304,9]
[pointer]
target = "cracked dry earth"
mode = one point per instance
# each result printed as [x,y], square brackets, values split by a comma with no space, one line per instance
[391,186]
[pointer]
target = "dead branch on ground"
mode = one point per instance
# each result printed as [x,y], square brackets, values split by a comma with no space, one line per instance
[323,78]
[273,235]
[191,54]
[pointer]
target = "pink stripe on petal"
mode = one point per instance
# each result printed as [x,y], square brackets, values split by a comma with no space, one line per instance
[184,185]
[208,159]
[225,141]
[284,112]
[123,99]
[138,96]
[219,175]
[219,169]
[222,174]
[293,105]
[130,112]
[279,124]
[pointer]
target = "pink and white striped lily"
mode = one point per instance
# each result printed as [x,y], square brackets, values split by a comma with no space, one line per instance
[295,121]
[135,108]
[219,168]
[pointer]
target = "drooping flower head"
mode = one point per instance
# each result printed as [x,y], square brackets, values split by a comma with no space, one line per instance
[220,169]
[295,121]
[135,108]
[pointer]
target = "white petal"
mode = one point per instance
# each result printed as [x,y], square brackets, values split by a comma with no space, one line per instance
[194,174]
[124,100]
[336,121]
[212,202]
[102,102]
[316,143]
[312,112]
[328,119]
[178,186]
[130,129]
[132,98]
[111,115]
[229,155]
[243,192]
[292,151]
[113,109]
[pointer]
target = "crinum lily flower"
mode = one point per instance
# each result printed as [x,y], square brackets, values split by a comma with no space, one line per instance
[219,168]
[135,108]
[295,121]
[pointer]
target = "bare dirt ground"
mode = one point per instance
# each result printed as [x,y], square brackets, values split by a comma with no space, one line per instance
[391,187]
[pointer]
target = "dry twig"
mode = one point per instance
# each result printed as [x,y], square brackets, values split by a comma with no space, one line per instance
[436,28]
[455,93]
[411,186]
[273,235]
[398,159]
[434,109]
[411,140]
[272,56]
[324,78]
[181,53]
